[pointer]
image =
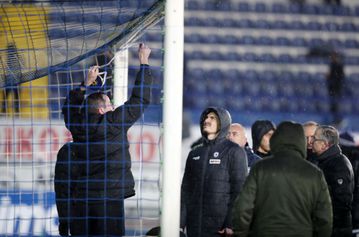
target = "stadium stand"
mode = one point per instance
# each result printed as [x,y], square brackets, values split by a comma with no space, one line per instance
[258,58]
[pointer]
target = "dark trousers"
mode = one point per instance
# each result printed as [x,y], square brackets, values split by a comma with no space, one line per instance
[98,218]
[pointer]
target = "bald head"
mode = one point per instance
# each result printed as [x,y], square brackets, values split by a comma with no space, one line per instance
[237,134]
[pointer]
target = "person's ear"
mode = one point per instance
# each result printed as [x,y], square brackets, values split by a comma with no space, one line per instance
[101,111]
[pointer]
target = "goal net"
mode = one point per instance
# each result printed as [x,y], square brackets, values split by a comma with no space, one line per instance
[46,49]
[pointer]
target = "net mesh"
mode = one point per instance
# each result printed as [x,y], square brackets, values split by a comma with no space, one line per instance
[41,39]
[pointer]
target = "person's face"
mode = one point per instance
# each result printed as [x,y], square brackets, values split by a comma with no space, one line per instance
[237,135]
[107,107]
[318,145]
[264,146]
[210,124]
[309,133]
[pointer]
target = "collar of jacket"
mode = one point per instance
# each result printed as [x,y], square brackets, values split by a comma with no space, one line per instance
[217,140]
[332,152]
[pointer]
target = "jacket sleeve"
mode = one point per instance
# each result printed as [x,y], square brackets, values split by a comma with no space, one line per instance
[140,97]
[238,174]
[244,205]
[72,106]
[342,187]
[323,214]
[185,193]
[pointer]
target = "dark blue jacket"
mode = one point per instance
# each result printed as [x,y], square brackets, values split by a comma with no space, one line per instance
[214,174]
[252,158]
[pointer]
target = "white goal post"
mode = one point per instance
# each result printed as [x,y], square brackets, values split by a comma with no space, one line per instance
[172,117]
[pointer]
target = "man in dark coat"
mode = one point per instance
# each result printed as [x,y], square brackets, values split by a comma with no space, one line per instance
[339,175]
[64,182]
[99,132]
[262,131]
[335,83]
[284,195]
[214,174]
[351,150]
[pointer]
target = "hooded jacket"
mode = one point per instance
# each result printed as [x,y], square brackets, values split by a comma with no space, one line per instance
[284,195]
[259,129]
[340,178]
[100,142]
[214,174]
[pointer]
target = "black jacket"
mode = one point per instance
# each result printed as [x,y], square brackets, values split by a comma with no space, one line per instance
[251,156]
[101,142]
[352,152]
[339,175]
[64,183]
[214,174]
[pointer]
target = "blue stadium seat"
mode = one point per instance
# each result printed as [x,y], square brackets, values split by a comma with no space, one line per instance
[335,43]
[229,22]
[342,11]
[285,58]
[348,26]
[247,39]
[260,7]
[197,54]
[316,42]
[235,103]
[244,23]
[215,56]
[229,39]
[310,9]
[296,25]
[232,56]
[244,7]
[193,38]
[269,88]
[261,24]
[351,43]
[280,24]
[299,42]
[285,88]
[250,57]
[267,57]
[194,21]
[232,75]
[264,40]
[283,41]
[279,8]
[330,26]
[313,25]
[295,8]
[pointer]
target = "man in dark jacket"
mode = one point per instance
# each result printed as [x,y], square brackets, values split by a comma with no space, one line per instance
[64,183]
[284,195]
[339,175]
[99,132]
[262,130]
[336,85]
[237,134]
[214,174]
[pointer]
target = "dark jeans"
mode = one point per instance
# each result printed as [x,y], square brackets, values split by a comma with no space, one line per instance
[98,218]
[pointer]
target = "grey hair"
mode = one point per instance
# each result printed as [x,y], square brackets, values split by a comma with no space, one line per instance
[310,123]
[329,134]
